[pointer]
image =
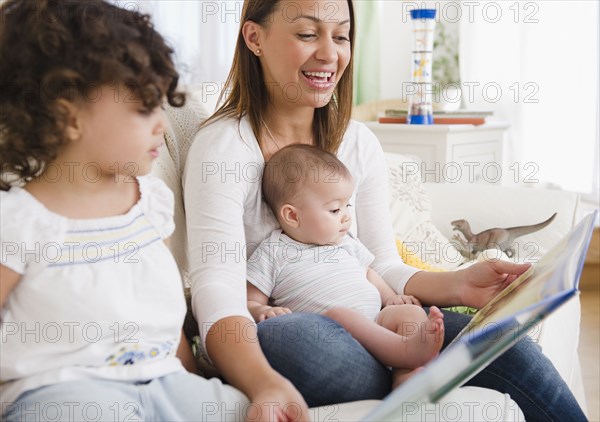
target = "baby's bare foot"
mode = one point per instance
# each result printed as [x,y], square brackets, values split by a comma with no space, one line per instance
[424,344]
[432,334]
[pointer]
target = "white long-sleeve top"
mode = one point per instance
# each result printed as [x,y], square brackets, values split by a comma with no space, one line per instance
[227,218]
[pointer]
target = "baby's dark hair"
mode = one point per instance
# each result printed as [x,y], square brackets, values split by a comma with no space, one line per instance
[54,50]
[295,167]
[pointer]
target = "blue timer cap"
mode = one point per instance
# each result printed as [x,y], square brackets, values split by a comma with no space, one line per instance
[423,13]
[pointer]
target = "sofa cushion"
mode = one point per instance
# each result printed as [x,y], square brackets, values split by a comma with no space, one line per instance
[461,404]
[183,125]
[410,209]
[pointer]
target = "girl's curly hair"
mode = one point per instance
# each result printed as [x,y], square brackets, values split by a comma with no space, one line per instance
[54,50]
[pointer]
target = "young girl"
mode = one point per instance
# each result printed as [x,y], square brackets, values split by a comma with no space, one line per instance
[91,298]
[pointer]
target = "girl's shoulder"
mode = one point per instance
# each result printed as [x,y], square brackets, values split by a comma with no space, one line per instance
[17,206]
[26,226]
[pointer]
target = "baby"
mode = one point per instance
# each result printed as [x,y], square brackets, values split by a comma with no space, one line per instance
[315,264]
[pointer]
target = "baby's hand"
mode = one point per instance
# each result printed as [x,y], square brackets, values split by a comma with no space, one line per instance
[271,312]
[402,300]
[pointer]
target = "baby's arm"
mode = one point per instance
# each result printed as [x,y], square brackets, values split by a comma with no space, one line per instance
[388,295]
[258,305]
[8,281]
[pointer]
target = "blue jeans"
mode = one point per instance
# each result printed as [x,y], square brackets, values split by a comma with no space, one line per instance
[328,366]
[180,396]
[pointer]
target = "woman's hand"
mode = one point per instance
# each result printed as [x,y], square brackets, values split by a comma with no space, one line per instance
[277,401]
[402,300]
[484,280]
[232,344]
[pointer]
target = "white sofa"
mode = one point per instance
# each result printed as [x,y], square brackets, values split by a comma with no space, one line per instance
[483,207]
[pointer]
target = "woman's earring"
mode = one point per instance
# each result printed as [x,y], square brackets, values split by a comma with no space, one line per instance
[258,51]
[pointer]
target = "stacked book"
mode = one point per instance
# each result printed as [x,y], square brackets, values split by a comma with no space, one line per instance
[458,117]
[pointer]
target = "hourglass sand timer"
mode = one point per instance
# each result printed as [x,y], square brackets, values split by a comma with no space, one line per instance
[420,110]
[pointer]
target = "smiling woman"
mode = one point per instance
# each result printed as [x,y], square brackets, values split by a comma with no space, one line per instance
[291,83]
[301,54]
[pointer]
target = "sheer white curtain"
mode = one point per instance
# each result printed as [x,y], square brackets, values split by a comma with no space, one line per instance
[536,65]
[203,34]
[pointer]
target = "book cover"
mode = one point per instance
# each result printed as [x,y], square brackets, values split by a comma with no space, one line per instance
[506,319]
[454,114]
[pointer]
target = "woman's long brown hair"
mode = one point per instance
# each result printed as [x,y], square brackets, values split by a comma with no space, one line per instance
[245,91]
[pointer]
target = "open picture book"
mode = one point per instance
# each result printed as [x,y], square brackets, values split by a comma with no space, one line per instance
[498,325]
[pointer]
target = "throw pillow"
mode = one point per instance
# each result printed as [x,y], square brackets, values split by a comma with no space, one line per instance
[410,209]
[413,260]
